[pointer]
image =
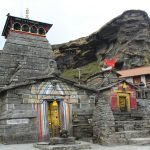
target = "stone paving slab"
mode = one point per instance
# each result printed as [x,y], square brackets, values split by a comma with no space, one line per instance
[93,147]
[17,147]
[79,145]
[124,147]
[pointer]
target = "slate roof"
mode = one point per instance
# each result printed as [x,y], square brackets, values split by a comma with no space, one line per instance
[134,72]
[115,83]
[53,76]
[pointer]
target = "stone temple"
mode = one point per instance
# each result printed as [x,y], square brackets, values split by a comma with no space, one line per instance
[36,102]
[31,90]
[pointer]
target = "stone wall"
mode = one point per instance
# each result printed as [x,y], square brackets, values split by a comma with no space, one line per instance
[25,56]
[82,128]
[17,120]
[103,121]
[17,105]
[144,107]
[82,115]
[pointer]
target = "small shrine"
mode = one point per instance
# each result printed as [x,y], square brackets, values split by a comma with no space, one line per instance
[123,97]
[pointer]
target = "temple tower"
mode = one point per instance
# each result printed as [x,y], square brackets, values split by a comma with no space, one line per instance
[26,53]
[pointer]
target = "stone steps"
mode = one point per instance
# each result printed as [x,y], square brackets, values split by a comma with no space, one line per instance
[135,137]
[134,133]
[132,125]
[128,116]
[58,140]
[139,141]
[87,139]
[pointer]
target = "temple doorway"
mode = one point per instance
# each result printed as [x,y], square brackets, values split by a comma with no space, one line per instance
[54,118]
[124,102]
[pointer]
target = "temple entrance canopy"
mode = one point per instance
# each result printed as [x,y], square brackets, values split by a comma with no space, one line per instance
[53,103]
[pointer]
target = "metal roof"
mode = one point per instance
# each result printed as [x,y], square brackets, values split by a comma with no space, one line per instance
[134,72]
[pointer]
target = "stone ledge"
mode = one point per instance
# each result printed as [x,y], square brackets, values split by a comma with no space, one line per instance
[139,141]
[77,146]
[58,140]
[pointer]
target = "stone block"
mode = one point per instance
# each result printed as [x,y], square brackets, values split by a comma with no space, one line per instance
[58,140]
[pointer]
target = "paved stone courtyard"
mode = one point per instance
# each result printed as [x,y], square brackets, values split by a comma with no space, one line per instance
[94,147]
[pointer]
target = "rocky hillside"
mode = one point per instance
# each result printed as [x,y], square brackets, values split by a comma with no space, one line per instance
[125,38]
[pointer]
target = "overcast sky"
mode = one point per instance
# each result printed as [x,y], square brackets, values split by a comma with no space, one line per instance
[71,19]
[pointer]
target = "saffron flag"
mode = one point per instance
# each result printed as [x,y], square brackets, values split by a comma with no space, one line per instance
[110,62]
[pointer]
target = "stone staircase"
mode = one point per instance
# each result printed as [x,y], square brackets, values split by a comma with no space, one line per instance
[140,141]
[138,137]
[132,128]
[128,116]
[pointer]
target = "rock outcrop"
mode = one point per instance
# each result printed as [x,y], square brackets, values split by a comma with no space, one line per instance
[125,38]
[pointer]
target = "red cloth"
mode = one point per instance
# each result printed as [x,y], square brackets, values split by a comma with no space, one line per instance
[133,101]
[110,62]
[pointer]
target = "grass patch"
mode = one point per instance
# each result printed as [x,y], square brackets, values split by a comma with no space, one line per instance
[86,71]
